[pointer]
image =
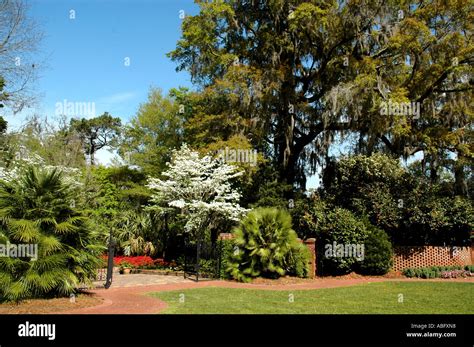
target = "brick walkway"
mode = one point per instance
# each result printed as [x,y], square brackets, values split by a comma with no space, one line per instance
[120,281]
[128,294]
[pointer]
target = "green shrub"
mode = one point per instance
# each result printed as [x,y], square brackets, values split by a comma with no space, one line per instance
[265,189]
[299,212]
[36,209]
[267,246]
[436,220]
[298,260]
[434,271]
[368,186]
[207,267]
[378,257]
[335,225]
[401,202]
[226,249]
[329,224]
[409,272]
[427,273]
[311,216]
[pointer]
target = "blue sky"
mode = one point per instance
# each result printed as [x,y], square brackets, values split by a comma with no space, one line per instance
[85,57]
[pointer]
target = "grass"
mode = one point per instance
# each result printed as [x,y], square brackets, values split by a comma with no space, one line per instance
[418,298]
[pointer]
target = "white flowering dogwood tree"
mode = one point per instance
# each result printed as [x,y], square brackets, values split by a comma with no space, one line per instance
[200,187]
[24,159]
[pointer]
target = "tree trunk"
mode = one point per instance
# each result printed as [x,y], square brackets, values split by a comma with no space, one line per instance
[460,185]
[434,165]
[92,154]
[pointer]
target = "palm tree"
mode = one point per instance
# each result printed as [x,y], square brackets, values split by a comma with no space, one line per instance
[133,230]
[37,209]
[267,246]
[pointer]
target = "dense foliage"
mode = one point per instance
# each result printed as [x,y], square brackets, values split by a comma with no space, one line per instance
[335,225]
[36,209]
[226,249]
[201,188]
[267,246]
[294,76]
[440,271]
[378,253]
[410,208]
[303,85]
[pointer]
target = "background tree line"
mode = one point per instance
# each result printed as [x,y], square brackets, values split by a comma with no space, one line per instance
[296,80]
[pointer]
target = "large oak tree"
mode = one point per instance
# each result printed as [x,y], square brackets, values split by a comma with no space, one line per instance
[292,75]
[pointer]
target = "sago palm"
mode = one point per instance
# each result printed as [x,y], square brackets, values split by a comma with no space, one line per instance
[37,209]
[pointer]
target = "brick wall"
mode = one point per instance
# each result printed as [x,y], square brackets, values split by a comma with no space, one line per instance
[407,256]
[311,244]
[421,256]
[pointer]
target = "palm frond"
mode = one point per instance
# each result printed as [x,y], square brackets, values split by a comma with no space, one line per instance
[23,230]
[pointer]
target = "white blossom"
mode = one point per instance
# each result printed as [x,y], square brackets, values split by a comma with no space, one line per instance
[25,159]
[200,187]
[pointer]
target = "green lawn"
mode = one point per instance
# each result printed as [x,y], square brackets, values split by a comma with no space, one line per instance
[427,297]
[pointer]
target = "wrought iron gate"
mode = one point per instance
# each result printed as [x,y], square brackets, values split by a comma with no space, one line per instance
[110,262]
[201,260]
